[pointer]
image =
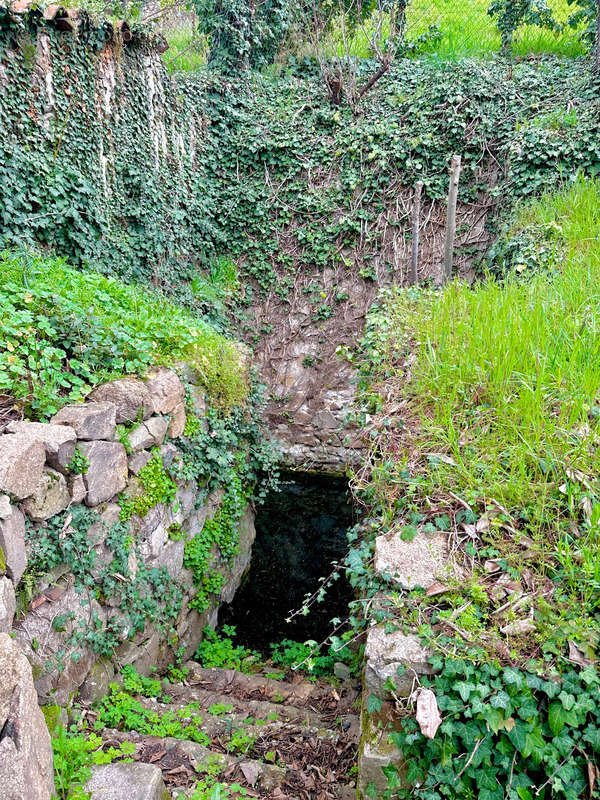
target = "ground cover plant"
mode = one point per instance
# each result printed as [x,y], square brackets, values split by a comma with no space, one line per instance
[494,442]
[63,331]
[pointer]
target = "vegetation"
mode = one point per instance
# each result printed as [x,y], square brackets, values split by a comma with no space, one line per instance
[64,331]
[218,650]
[501,455]
[74,754]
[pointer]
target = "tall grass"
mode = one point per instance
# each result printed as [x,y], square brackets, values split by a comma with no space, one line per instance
[466,29]
[506,380]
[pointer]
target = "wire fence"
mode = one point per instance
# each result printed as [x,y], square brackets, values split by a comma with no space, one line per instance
[464,27]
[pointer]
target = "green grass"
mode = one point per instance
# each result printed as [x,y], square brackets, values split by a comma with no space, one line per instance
[507,372]
[63,331]
[466,29]
[187,49]
[504,402]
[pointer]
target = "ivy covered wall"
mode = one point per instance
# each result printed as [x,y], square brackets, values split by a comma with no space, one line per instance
[100,153]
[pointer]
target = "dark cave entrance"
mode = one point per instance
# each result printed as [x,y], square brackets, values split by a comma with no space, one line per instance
[300,531]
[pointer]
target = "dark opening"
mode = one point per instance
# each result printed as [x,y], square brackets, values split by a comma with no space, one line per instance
[300,531]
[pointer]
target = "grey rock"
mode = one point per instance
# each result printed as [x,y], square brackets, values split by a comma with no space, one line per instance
[107,472]
[385,653]
[143,655]
[177,421]
[77,488]
[374,755]
[147,434]
[341,671]
[52,684]
[26,770]
[8,605]
[50,497]
[5,506]
[168,453]
[241,561]
[140,438]
[22,461]
[198,401]
[90,421]
[130,396]
[157,427]
[165,389]
[171,557]
[12,542]
[119,781]
[416,563]
[96,685]
[59,440]
[138,461]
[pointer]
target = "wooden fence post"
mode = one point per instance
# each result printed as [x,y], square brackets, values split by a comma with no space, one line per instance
[416,223]
[451,218]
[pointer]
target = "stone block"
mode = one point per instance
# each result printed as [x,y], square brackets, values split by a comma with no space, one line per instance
[52,684]
[171,557]
[26,770]
[142,656]
[177,421]
[77,488]
[50,497]
[130,396]
[120,781]
[157,427]
[96,685]
[166,390]
[385,653]
[417,563]
[90,421]
[140,438]
[12,542]
[138,461]
[168,454]
[107,472]
[148,434]
[8,605]
[373,757]
[22,462]
[58,440]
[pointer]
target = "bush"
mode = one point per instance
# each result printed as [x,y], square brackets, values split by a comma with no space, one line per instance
[65,331]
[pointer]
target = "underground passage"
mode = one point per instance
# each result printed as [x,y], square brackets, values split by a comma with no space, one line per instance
[300,531]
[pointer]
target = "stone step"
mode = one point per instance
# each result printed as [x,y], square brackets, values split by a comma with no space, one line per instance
[299,692]
[176,756]
[269,726]
[260,709]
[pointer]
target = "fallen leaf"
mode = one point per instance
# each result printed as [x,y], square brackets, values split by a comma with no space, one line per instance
[593,775]
[428,715]
[436,588]
[577,656]
[520,626]
[251,771]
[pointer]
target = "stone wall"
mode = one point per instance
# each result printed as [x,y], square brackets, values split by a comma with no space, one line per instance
[82,460]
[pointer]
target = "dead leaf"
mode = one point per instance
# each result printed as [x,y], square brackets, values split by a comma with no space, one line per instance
[436,588]
[428,715]
[593,775]
[483,523]
[251,771]
[577,656]
[520,626]
[508,724]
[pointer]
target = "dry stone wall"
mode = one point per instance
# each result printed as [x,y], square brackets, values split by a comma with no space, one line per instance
[82,466]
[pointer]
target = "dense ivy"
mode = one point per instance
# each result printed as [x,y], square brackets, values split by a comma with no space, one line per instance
[265,170]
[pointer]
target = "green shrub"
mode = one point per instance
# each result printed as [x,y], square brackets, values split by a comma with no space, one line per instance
[218,650]
[64,331]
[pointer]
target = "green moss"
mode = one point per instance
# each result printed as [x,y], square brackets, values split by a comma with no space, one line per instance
[52,717]
[2,562]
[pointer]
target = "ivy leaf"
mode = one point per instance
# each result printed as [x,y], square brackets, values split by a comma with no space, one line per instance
[374,703]
[556,718]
